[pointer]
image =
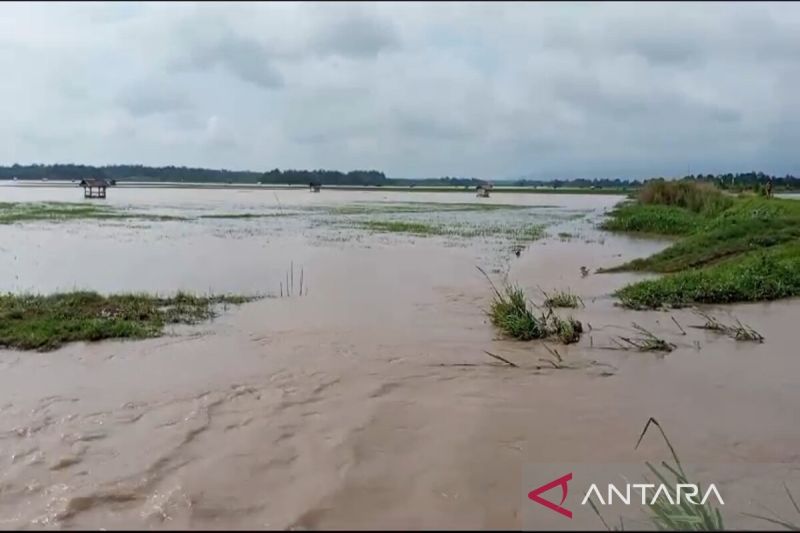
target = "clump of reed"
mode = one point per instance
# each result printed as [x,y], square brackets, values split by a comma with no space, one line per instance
[562,298]
[697,197]
[288,289]
[511,312]
[738,331]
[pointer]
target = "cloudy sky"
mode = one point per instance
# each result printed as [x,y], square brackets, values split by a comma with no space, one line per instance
[492,90]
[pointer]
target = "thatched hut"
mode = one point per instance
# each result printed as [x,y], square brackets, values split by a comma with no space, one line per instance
[94,188]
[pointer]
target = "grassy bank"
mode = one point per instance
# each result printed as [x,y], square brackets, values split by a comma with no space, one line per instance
[35,322]
[731,249]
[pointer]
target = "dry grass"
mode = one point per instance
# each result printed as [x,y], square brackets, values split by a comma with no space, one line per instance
[738,331]
[645,342]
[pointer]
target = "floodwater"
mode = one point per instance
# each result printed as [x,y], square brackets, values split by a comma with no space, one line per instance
[369,401]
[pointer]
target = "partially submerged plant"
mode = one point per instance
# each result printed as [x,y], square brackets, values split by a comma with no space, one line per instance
[646,342]
[684,515]
[738,331]
[511,312]
[562,298]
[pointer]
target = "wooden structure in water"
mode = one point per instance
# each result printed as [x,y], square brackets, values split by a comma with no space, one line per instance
[314,186]
[94,188]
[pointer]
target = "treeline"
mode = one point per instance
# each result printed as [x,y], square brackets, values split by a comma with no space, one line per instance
[741,181]
[205,175]
[126,172]
[747,180]
[580,182]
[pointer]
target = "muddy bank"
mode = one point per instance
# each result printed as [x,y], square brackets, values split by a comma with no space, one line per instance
[370,402]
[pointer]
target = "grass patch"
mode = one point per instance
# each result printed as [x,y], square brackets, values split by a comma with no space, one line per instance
[13,212]
[655,219]
[563,298]
[525,234]
[741,249]
[400,226]
[36,322]
[759,276]
[703,198]
[510,312]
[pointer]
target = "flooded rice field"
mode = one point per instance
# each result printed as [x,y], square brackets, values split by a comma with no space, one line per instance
[369,401]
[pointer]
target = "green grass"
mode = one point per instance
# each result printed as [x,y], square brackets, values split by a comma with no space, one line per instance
[526,233]
[37,322]
[11,212]
[562,298]
[703,198]
[758,276]
[400,226]
[743,249]
[510,312]
[654,219]
[683,516]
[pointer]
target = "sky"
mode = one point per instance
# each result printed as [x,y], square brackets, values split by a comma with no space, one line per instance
[489,90]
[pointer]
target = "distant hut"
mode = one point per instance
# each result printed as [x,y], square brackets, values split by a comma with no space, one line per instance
[314,186]
[483,190]
[94,188]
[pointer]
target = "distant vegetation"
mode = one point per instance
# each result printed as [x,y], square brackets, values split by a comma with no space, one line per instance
[733,248]
[11,212]
[736,182]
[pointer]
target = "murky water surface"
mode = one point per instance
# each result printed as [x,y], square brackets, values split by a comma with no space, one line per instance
[368,401]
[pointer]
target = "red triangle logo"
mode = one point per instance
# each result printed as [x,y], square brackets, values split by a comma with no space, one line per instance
[562,482]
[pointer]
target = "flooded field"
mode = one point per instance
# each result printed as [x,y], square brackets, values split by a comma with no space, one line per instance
[369,400]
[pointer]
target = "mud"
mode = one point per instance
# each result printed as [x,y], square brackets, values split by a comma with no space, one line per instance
[369,402]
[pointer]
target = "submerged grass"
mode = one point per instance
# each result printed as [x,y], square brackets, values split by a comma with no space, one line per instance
[562,298]
[738,331]
[37,322]
[732,249]
[511,312]
[13,212]
[524,234]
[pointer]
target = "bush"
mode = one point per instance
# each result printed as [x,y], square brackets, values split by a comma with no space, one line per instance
[702,198]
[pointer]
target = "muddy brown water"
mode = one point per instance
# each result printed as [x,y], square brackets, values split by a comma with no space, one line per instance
[368,402]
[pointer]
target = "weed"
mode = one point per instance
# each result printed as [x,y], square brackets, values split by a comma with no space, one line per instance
[738,331]
[645,342]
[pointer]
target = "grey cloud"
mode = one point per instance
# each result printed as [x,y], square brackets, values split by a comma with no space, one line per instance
[417,89]
[244,57]
[148,101]
[357,36]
